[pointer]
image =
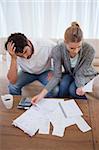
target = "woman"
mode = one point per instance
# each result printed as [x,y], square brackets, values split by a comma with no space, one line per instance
[76,57]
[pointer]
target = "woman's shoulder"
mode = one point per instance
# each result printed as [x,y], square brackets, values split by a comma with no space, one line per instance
[58,49]
[87,47]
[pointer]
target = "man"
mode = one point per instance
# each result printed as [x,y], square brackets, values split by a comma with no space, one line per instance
[33,59]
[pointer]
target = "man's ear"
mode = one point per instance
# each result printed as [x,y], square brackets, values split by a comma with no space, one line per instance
[29,42]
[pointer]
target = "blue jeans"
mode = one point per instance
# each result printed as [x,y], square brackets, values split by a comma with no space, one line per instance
[68,87]
[25,78]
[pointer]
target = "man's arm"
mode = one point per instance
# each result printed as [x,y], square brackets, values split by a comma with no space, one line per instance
[12,72]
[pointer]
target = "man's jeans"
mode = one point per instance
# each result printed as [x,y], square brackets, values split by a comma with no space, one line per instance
[25,78]
[68,87]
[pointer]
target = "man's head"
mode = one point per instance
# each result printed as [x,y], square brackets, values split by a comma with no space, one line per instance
[23,47]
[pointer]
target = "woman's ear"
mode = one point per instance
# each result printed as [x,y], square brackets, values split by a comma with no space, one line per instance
[64,41]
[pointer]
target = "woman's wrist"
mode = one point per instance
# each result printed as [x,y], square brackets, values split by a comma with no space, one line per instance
[44,92]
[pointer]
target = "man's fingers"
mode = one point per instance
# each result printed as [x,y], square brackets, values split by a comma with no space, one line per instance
[14,49]
[10,46]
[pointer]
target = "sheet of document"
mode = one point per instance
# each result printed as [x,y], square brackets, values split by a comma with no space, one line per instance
[89,86]
[82,124]
[60,121]
[30,120]
[71,108]
[49,104]
[44,127]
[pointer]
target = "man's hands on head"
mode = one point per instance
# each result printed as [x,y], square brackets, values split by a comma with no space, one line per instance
[12,72]
[11,49]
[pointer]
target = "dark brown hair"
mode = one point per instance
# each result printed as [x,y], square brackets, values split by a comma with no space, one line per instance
[73,33]
[20,41]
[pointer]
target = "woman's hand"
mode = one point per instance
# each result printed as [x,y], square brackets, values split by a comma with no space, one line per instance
[80,91]
[36,99]
[11,49]
[39,97]
[50,75]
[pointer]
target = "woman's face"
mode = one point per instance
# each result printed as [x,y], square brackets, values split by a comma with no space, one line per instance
[74,48]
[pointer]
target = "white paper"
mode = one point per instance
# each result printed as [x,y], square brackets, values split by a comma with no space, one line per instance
[39,116]
[71,108]
[29,121]
[59,128]
[58,131]
[58,119]
[60,122]
[44,127]
[82,124]
[89,86]
[49,104]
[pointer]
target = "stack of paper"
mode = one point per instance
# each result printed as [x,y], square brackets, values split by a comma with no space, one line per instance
[57,111]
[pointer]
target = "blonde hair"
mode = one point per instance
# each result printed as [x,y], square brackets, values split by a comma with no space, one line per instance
[73,33]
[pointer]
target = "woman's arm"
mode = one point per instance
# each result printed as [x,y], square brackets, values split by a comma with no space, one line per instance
[56,55]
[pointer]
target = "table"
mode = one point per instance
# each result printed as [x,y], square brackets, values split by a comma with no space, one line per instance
[12,138]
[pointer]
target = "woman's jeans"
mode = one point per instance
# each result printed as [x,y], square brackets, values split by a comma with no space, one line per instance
[25,78]
[68,87]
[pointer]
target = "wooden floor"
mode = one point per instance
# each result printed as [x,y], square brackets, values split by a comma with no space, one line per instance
[15,139]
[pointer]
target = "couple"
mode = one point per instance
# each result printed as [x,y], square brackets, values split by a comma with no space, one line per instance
[73,54]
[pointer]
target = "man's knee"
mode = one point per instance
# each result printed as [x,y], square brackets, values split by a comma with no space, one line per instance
[14,89]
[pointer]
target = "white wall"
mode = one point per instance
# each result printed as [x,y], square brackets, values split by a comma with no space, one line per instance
[48,18]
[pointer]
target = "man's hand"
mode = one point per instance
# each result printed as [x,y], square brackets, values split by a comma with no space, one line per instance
[11,49]
[79,91]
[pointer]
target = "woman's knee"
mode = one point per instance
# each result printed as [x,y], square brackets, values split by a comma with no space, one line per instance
[72,92]
[72,89]
[64,85]
[53,93]
[66,80]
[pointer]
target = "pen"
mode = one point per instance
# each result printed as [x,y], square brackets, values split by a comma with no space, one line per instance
[36,105]
[62,110]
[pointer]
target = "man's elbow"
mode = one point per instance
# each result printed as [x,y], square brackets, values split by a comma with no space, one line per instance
[12,80]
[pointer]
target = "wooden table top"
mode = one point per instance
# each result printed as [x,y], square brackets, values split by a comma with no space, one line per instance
[12,138]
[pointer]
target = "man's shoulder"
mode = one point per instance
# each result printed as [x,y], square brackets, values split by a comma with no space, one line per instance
[44,42]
